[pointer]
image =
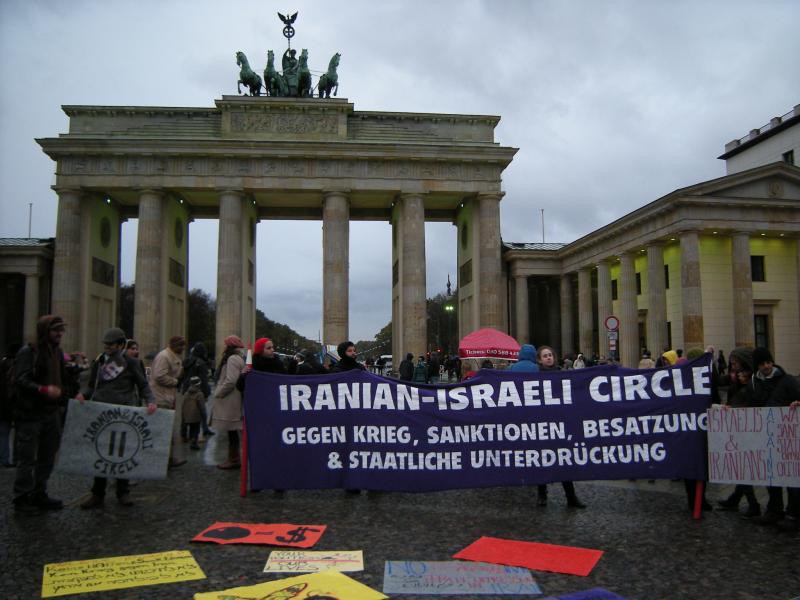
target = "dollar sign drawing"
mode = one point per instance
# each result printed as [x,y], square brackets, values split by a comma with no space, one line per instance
[296,535]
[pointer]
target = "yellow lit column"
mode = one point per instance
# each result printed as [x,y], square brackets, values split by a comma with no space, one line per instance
[691,297]
[743,319]
[656,300]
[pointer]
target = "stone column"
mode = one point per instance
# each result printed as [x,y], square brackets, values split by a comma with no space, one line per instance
[491,311]
[629,314]
[691,297]
[67,263]
[336,267]
[229,267]
[552,297]
[743,320]
[604,304]
[656,300]
[412,276]
[585,315]
[31,315]
[147,297]
[522,306]
[566,316]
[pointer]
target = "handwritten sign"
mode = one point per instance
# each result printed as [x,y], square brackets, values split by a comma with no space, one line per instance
[758,446]
[307,561]
[81,576]
[327,584]
[453,577]
[271,534]
[109,440]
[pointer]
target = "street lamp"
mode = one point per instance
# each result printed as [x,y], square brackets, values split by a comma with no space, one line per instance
[449,308]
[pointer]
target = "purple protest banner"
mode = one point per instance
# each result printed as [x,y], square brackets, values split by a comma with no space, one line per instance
[362,431]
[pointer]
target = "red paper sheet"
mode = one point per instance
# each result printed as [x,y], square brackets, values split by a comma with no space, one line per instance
[532,555]
[272,534]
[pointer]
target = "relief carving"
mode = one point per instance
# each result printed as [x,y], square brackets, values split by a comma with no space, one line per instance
[273,123]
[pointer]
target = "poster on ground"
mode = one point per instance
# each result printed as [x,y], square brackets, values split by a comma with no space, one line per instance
[109,440]
[327,584]
[118,572]
[441,578]
[756,446]
[271,534]
[358,430]
[311,561]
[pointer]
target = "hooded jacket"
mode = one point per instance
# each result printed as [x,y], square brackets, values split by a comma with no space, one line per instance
[526,361]
[38,365]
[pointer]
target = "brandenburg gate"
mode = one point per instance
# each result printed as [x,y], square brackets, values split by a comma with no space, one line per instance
[252,158]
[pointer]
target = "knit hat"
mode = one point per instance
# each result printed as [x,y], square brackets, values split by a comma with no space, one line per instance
[115,335]
[744,356]
[258,348]
[760,356]
[233,341]
[670,356]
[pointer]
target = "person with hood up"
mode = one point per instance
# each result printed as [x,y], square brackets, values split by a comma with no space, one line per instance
[40,378]
[308,364]
[226,414]
[347,358]
[580,362]
[526,360]
[116,378]
[407,367]
[196,365]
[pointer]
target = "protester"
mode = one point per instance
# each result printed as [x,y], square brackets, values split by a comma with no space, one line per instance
[646,362]
[193,400]
[309,364]
[7,394]
[116,378]
[407,367]
[347,358]
[40,377]
[165,375]
[547,362]
[526,360]
[226,414]
[580,362]
[196,366]
[771,386]
[420,371]
[741,360]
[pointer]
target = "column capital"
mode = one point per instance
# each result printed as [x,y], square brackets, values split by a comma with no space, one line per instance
[155,191]
[66,189]
[230,192]
[490,195]
[655,244]
[740,232]
[402,195]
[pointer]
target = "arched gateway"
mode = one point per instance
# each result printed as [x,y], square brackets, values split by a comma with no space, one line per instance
[253,158]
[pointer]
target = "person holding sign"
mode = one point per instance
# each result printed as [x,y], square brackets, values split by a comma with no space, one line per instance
[771,386]
[741,360]
[546,357]
[116,378]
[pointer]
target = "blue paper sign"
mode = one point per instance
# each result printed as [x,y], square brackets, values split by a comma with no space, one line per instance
[456,577]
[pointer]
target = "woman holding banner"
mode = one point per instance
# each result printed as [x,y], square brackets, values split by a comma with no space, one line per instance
[546,357]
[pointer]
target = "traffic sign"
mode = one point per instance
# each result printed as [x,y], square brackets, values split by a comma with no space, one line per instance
[612,323]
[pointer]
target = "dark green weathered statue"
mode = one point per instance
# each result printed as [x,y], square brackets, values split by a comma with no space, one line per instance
[247,76]
[329,80]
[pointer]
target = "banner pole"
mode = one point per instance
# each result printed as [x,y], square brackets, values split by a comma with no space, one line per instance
[243,471]
[698,500]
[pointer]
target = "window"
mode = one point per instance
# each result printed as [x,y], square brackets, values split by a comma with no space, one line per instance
[638,284]
[666,277]
[761,323]
[757,268]
[669,334]
[788,157]
[614,289]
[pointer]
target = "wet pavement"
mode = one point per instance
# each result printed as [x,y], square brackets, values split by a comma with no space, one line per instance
[653,549]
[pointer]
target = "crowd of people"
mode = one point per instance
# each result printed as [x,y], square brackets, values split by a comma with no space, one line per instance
[37,380]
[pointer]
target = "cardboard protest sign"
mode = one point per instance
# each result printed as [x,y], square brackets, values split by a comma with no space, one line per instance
[454,577]
[592,594]
[308,561]
[109,440]
[81,576]
[270,534]
[757,446]
[361,431]
[327,584]
[532,555]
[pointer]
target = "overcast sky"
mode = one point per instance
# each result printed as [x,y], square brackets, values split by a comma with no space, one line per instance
[611,104]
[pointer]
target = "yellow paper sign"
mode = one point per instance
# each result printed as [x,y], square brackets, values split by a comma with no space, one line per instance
[308,561]
[328,584]
[118,572]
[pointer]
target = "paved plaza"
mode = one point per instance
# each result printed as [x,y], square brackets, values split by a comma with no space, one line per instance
[653,549]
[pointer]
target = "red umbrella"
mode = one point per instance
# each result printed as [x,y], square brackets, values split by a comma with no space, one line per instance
[488,343]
